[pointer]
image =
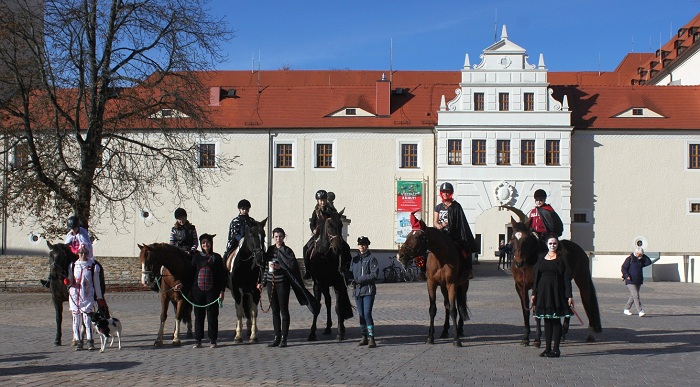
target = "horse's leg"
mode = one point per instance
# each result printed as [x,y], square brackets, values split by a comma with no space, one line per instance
[341,323]
[253,320]
[240,313]
[164,304]
[452,292]
[525,307]
[178,320]
[317,296]
[446,302]
[58,307]
[432,310]
[329,318]
[462,308]
[589,299]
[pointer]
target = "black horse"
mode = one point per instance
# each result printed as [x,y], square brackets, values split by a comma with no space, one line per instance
[244,272]
[330,256]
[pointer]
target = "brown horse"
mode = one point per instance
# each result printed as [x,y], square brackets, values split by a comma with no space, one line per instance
[442,269]
[167,267]
[525,254]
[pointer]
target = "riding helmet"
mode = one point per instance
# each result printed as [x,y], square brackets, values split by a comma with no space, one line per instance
[321,194]
[73,222]
[540,194]
[446,187]
[244,204]
[180,213]
[210,237]
[363,240]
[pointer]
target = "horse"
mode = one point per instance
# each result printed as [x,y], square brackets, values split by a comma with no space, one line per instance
[443,266]
[525,253]
[60,258]
[167,266]
[244,272]
[330,255]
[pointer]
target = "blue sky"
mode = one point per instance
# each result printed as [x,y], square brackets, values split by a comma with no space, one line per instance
[588,35]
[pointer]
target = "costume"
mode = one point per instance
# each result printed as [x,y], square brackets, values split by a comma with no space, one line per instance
[458,229]
[365,271]
[73,240]
[544,220]
[210,281]
[318,217]
[185,237]
[552,290]
[236,232]
[84,289]
[634,278]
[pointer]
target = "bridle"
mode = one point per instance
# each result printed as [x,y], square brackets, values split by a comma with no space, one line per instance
[411,251]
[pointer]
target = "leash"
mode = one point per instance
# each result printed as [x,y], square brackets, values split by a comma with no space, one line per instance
[218,299]
[272,291]
[577,316]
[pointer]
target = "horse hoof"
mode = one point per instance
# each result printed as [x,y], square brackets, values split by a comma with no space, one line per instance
[430,341]
[158,343]
[445,334]
[457,343]
[590,339]
[190,335]
[563,337]
[238,340]
[340,338]
[253,340]
[537,344]
[57,343]
[176,343]
[525,342]
[327,331]
[312,337]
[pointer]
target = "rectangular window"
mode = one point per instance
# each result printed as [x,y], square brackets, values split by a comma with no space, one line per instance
[207,155]
[454,152]
[694,156]
[553,152]
[284,156]
[580,218]
[527,152]
[637,112]
[350,112]
[478,102]
[478,152]
[529,102]
[503,102]
[409,155]
[20,156]
[324,155]
[695,208]
[503,152]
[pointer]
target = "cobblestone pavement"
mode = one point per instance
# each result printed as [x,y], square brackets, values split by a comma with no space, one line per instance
[662,347]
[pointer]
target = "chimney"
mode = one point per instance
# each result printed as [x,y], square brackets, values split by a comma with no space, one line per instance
[383,97]
[214,96]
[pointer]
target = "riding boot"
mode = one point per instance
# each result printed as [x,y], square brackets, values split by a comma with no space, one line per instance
[91,345]
[276,341]
[363,341]
[371,343]
[79,347]
[283,341]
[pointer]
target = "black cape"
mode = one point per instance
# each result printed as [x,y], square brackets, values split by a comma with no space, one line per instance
[552,221]
[459,227]
[289,265]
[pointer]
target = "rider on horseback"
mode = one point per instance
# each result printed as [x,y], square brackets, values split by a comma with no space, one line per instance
[184,234]
[321,212]
[238,227]
[543,220]
[449,217]
[76,237]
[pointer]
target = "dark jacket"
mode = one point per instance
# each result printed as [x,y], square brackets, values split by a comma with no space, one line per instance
[217,269]
[320,215]
[550,218]
[292,274]
[632,269]
[458,227]
[236,231]
[564,276]
[365,271]
[184,236]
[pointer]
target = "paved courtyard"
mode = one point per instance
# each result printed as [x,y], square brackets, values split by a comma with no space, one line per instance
[662,347]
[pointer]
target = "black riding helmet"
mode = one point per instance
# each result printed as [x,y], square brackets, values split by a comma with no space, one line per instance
[73,222]
[244,204]
[180,213]
[446,187]
[540,194]
[321,194]
[363,240]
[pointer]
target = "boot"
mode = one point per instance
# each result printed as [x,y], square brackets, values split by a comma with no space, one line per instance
[363,341]
[91,345]
[372,343]
[283,341]
[73,342]
[79,347]
[276,341]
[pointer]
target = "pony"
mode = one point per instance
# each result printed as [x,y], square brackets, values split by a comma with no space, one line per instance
[244,265]
[60,258]
[443,266]
[330,256]
[525,254]
[169,268]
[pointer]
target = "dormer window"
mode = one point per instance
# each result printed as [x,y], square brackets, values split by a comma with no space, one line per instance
[350,112]
[681,32]
[637,112]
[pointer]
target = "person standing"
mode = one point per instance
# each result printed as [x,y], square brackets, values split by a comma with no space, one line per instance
[365,271]
[502,251]
[84,289]
[281,274]
[449,217]
[76,237]
[543,220]
[208,289]
[551,294]
[238,227]
[633,277]
[184,234]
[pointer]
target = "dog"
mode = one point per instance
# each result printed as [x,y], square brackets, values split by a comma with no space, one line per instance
[107,327]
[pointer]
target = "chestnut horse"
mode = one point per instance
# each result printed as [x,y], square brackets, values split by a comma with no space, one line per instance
[167,266]
[243,265]
[329,257]
[525,254]
[443,266]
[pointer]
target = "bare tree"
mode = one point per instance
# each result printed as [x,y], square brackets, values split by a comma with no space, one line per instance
[103,108]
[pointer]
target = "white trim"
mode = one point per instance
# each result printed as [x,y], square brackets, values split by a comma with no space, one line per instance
[334,159]
[419,154]
[288,141]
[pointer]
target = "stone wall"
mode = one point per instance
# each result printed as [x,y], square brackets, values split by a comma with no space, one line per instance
[29,270]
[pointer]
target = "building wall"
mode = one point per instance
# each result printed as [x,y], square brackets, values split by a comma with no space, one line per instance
[685,74]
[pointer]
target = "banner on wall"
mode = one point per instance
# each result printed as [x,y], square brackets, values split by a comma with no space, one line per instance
[408,199]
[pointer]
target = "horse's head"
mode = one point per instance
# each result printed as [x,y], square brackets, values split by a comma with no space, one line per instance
[150,265]
[414,246]
[524,244]
[333,230]
[60,257]
[254,241]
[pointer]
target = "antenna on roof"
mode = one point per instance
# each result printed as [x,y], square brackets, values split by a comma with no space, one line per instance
[258,71]
[632,43]
[252,62]
[598,64]
[391,59]
[495,26]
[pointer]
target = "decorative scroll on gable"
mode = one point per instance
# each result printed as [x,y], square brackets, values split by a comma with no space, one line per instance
[452,105]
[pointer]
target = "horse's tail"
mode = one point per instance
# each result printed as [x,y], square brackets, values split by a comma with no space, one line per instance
[584,281]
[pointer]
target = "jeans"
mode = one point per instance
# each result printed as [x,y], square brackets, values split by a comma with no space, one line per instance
[364,309]
[634,297]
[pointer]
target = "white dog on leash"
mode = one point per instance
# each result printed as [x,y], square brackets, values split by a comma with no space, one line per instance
[107,327]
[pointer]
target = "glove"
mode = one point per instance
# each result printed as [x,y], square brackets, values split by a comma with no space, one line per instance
[101,303]
[66,281]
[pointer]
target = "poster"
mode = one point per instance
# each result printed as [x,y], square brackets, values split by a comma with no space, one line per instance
[403,227]
[408,199]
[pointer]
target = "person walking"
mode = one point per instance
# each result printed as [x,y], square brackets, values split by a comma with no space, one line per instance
[85,292]
[633,276]
[207,290]
[502,251]
[551,294]
[365,271]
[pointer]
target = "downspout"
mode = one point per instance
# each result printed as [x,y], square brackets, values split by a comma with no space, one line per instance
[270,170]
[435,164]
[5,164]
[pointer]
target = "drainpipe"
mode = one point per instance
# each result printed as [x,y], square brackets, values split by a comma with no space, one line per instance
[435,164]
[5,164]
[270,170]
